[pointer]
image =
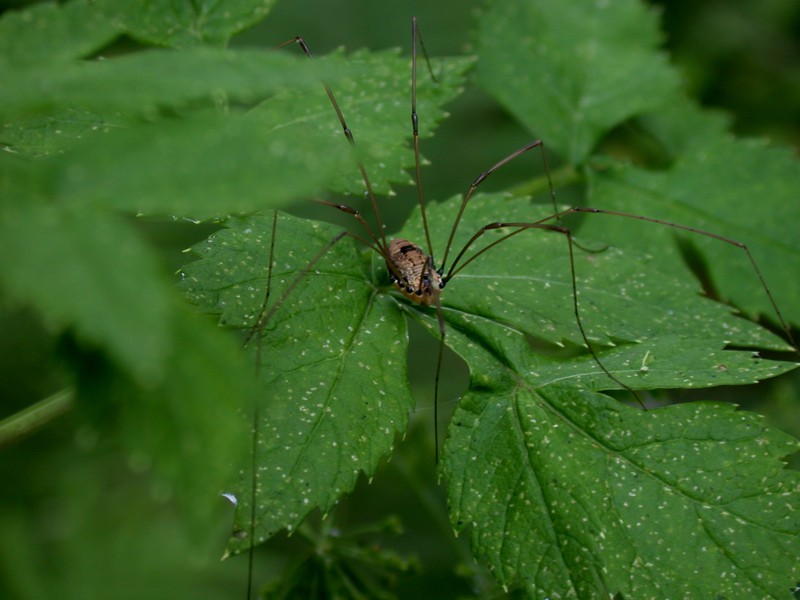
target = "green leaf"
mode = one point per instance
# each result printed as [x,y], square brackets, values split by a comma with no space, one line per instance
[202,166]
[572,73]
[572,494]
[182,24]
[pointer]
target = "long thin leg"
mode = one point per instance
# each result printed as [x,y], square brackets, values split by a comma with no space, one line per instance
[261,322]
[256,412]
[442,332]
[374,243]
[482,177]
[349,135]
[416,35]
[379,243]
[268,289]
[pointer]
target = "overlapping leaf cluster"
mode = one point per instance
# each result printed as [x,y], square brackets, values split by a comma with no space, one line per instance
[564,491]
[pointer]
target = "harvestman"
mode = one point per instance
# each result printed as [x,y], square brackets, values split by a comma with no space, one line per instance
[412,269]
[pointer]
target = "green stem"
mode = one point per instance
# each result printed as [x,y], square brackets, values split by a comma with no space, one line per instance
[17,426]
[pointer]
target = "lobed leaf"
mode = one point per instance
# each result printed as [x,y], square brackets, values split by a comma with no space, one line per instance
[572,494]
[331,362]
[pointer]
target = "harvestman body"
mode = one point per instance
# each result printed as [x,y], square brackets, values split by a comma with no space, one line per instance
[414,274]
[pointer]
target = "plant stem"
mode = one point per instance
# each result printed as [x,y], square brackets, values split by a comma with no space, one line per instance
[26,421]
